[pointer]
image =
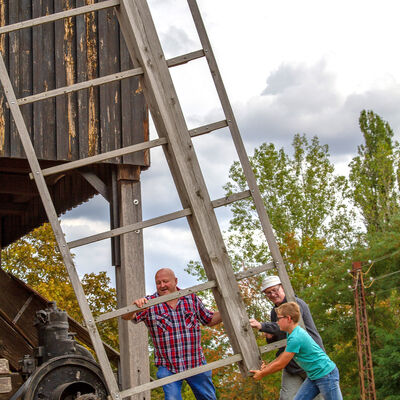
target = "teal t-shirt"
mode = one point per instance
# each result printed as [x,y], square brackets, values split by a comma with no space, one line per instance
[308,354]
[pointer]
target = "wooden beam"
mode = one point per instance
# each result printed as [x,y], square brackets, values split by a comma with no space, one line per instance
[97,183]
[61,15]
[208,128]
[130,284]
[184,292]
[272,346]
[173,62]
[254,271]
[126,150]
[182,375]
[102,157]
[158,300]
[153,221]
[129,228]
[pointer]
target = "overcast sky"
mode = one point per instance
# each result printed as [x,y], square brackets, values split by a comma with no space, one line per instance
[289,67]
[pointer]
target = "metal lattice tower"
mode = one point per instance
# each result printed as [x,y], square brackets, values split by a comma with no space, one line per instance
[366,371]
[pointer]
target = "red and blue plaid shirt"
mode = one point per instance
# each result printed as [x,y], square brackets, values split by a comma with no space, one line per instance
[176,332]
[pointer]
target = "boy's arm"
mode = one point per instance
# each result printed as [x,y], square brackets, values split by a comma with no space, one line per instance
[274,366]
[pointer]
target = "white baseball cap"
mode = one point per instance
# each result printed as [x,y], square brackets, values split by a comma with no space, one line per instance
[270,281]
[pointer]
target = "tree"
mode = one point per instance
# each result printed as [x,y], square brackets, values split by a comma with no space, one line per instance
[374,173]
[306,202]
[35,259]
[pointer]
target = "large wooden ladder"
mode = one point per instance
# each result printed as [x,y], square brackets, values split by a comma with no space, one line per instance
[153,69]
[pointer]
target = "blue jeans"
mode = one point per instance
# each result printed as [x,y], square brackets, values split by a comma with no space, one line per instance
[201,385]
[328,386]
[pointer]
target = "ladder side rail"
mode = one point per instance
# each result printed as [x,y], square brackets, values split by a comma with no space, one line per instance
[180,293]
[202,130]
[58,233]
[244,160]
[153,221]
[73,12]
[173,62]
[145,49]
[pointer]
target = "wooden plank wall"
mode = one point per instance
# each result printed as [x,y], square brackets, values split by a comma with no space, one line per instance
[75,125]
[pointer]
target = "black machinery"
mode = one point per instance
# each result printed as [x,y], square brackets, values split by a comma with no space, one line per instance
[60,369]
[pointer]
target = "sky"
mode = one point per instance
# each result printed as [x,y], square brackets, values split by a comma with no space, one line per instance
[289,67]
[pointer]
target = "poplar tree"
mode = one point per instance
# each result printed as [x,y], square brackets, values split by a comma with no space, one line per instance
[374,173]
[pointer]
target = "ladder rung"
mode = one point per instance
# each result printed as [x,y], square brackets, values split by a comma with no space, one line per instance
[126,150]
[193,371]
[60,15]
[157,300]
[80,86]
[194,289]
[181,375]
[224,201]
[105,79]
[185,58]
[255,271]
[129,228]
[208,128]
[272,346]
[154,221]
[102,157]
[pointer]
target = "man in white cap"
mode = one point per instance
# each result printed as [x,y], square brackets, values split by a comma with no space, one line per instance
[293,375]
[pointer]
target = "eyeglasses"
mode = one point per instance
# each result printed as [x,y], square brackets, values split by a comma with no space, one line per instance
[278,318]
[272,291]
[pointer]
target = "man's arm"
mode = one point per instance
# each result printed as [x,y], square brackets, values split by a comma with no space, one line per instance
[270,329]
[274,366]
[216,319]
[132,315]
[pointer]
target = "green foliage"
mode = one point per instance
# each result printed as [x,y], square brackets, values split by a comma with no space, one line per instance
[303,197]
[387,364]
[375,172]
[315,225]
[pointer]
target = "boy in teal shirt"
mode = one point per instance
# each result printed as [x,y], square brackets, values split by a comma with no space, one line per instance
[322,373]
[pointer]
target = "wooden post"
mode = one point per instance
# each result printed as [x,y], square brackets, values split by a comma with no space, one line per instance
[130,281]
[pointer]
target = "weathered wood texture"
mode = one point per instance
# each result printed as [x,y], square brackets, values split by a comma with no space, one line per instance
[145,50]
[130,282]
[65,52]
[71,126]
[20,337]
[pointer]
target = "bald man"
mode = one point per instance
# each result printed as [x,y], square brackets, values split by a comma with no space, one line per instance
[174,327]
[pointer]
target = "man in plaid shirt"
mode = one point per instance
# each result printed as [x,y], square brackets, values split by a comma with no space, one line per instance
[174,327]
